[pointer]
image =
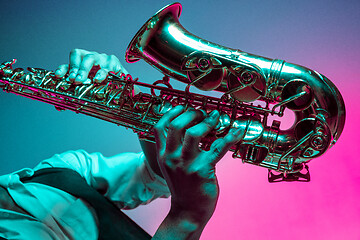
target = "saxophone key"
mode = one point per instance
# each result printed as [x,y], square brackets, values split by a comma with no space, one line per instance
[252,126]
[252,153]
[161,109]
[223,125]
[63,85]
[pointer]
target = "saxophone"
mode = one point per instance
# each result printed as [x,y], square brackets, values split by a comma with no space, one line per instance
[243,80]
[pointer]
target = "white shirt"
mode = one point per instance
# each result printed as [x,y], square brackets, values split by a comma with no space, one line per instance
[55,214]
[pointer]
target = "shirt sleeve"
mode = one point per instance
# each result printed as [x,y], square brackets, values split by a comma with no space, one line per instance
[126,178]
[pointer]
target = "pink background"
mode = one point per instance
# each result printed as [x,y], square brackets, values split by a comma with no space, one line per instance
[322,35]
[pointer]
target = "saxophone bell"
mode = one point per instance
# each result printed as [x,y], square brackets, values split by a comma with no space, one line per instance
[243,78]
[166,45]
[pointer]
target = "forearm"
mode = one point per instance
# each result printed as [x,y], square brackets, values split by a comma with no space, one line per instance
[180,226]
[149,150]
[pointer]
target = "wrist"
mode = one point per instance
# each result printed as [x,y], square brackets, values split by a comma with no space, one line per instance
[199,212]
[180,225]
[193,219]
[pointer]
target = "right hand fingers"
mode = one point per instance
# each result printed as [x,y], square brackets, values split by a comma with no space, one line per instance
[160,129]
[194,134]
[221,146]
[179,126]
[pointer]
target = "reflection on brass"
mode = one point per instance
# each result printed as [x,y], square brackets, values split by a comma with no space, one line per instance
[241,77]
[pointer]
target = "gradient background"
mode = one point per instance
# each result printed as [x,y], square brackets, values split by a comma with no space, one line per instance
[322,35]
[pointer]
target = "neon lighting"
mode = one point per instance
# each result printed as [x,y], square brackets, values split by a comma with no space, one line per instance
[181,37]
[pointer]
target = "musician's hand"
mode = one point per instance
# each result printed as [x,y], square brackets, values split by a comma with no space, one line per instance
[188,170]
[84,63]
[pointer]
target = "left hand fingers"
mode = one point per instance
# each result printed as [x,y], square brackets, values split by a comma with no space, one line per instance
[105,64]
[87,63]
[75,59]
[108,64]
[61,70]
[83,62]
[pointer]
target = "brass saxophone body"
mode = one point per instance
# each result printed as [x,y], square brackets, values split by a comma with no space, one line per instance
[242,78]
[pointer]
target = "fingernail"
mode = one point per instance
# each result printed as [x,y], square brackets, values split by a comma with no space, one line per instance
[58,72]
[87,81]
[78,78]
[98,76]
[237,131]
[72,75]
[180,107]
[214,114]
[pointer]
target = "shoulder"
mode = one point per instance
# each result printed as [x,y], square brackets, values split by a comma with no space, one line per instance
[72,159]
